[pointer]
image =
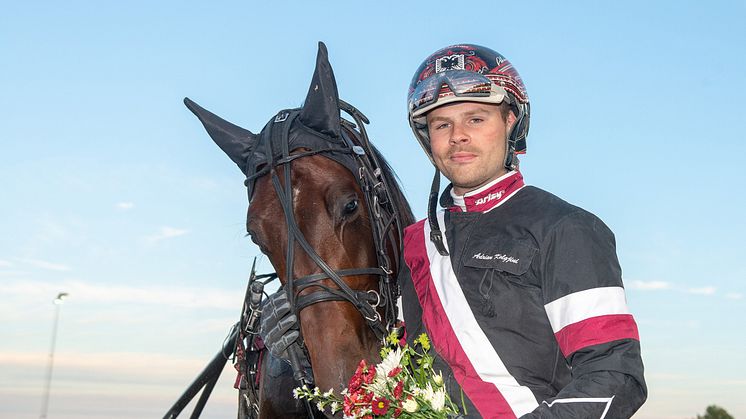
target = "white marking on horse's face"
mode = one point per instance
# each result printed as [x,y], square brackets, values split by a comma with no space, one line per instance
[295,195]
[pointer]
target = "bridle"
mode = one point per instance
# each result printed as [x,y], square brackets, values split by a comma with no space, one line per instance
[354,151]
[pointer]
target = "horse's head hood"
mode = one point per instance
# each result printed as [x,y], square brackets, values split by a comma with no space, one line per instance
[320,112]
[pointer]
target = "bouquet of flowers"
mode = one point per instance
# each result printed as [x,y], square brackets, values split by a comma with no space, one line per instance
[403,385]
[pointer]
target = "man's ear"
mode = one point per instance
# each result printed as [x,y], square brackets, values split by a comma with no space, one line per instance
[510,120]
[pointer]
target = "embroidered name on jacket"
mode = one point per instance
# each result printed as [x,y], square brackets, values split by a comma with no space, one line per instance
[496,256]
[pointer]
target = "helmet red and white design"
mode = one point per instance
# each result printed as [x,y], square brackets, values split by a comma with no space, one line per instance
[473,73]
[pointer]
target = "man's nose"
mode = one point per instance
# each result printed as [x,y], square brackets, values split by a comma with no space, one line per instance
[459,134]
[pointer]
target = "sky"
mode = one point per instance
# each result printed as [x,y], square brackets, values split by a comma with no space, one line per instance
[112,191]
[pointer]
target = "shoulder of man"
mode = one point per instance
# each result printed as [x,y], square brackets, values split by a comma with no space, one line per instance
[545,205]
[538,213]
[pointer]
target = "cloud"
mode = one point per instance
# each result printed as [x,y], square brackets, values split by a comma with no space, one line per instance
[124,206]
[166,232]
[666,376]
[117,363]
[702,290]
[13,273]
[43,264]
[87,292]
[668,286]
[5,264]
[107,384]
[649,285]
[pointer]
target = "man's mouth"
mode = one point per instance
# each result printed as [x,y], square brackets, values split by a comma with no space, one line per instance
[462,157]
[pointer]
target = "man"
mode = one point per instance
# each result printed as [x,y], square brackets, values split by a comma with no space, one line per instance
[519,291]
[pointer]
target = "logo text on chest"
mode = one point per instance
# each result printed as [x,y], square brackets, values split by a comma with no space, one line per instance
[496,256]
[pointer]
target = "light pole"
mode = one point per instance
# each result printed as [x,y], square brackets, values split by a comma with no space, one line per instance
[45,401]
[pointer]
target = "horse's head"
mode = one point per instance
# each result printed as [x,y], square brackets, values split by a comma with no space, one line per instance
[326,210]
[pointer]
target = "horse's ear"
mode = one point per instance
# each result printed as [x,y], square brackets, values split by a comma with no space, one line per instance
[235,141]
[321,107]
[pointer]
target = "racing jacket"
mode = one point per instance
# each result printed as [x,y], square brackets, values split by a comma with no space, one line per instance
[527,314]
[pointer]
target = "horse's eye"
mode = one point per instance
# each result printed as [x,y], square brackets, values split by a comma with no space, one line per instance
[351,207]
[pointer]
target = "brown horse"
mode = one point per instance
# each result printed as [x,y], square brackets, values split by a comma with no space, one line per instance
[326,209]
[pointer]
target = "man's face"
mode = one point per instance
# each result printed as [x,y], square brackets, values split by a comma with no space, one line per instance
[468,143]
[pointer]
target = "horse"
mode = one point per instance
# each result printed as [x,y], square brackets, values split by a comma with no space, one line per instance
[326,209]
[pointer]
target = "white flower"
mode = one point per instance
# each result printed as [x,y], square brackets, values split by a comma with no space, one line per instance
[410,405]
[392,360]
[320,406]
[335,407]
[438,401]
[438,379]
[379,386]
[296,393]
[428,393]
[328,393]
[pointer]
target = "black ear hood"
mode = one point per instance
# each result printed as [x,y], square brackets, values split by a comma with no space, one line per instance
[238,143]
[321,108]
[316,126]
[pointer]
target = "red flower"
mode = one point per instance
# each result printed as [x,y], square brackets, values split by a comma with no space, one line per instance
[355,383]
[347,407]
[369,375]
[395,371]
[380,406]
[350,404]
[368,397]
[358,377]
[397,412]
[361,367]
[399,389]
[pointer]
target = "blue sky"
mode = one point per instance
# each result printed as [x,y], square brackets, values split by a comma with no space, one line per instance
[113,192]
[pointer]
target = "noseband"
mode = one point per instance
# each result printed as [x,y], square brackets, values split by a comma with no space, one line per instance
[354,151]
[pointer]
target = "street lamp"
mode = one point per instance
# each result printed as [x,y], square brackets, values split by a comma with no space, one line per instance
[45,402]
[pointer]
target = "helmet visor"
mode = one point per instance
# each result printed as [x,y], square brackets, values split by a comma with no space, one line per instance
[461,83]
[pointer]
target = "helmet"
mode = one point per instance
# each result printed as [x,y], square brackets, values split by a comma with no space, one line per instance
[468,72]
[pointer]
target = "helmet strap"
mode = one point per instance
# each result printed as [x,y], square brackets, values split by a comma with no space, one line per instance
[436,236]
[511,161]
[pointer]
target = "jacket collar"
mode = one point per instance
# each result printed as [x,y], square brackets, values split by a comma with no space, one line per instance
[485,198]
